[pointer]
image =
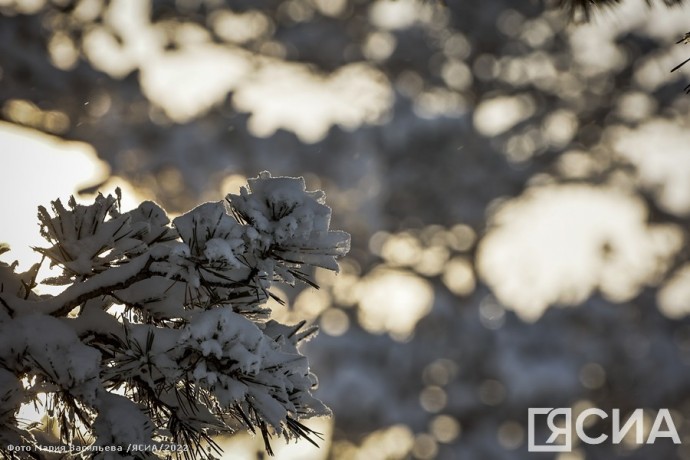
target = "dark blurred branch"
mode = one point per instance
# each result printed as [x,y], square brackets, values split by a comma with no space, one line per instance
[587,7]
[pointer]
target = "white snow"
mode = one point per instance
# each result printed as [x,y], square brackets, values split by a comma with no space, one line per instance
[221,250]
[223,333]
[47,345]
[294,220]
[120,422]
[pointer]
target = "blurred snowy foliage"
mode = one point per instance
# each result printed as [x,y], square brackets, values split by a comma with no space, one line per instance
[162,333]
[494,162]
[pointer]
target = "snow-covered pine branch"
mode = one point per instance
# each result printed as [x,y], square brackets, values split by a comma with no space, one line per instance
[194,352]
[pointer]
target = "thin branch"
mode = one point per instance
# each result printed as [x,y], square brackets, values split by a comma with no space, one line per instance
[101,284]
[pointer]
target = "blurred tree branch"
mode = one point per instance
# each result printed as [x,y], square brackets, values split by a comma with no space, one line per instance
[587,7]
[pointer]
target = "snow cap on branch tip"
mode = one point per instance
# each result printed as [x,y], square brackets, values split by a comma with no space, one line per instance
[51,346]
[209,221]
[89,239]
[243,365]
[120,422]
[293,222]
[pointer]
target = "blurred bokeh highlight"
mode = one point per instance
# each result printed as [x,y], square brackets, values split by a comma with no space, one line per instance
[517,187]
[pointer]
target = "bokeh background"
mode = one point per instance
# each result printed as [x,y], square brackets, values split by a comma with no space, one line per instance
[517,187]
